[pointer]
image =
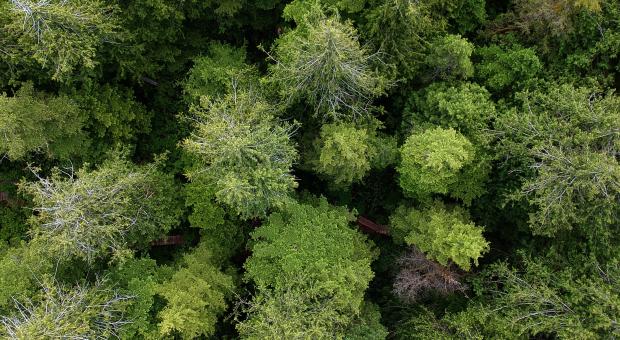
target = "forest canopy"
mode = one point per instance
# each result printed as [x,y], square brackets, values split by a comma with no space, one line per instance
[309,169]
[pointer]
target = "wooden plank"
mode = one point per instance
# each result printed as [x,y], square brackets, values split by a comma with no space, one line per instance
[173,240]
[370,226]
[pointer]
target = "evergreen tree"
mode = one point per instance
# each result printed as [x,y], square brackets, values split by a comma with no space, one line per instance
[33,122]
[565,141]
[67,312]
[245,151]
[61,37]
[322,62]
[105,212]
[403,31]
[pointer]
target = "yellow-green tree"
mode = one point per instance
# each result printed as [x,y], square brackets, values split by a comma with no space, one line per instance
[244,151]
[34,122]
[105,212]
[345,153]
[440,161]
[443,234]
[196,296]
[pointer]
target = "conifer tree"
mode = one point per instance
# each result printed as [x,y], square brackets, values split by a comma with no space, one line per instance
[322,62]
[105,212]
[33,122]
[244,151]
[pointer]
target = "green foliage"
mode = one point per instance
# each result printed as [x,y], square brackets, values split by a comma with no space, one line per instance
[196,296]
[402,29]
[538,301]
[434,117]
[67,312]
[465,107]
[164,37]
[311,269]
[444,234]
[566,141]
[138,278]
[206,213]
[107,211]
[440,161]
[114,116]
[245,151]
[13,225]
[503,68]
[59,36]
[19,268]
[346,153]
[34,122]
[351,6]
[463,15]
[322,61]
[211,75]
[223,236]
[155,26]
[297,8]
[449,58]
[368,325]
[286,314]
[322,239]
[423,324]
[294,312]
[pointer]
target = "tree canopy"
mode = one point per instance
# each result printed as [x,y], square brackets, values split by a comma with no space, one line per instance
[311,269]
[309,169]
[101,213]
[245,150]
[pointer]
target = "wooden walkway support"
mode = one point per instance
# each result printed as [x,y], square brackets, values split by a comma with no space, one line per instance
[372,227]
[172,240]
[364,223]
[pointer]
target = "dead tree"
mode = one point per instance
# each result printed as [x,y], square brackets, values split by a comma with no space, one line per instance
[419,276]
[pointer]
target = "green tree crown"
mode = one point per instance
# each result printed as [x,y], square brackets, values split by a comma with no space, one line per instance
[444,234]
[245,151]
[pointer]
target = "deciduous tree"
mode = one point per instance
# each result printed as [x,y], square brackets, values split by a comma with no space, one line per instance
[311,269]
[449,58]
[440,161]
[507,67]
[444,234]
[465,107]
[346,153]
[212,74]
[196,296]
